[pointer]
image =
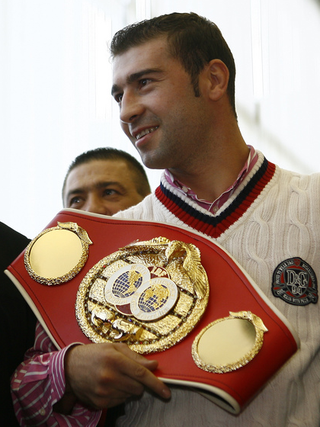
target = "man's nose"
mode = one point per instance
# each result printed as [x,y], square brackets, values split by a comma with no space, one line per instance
[131,108]
[97,205]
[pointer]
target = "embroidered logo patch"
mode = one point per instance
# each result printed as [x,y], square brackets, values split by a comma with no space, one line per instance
[295,282]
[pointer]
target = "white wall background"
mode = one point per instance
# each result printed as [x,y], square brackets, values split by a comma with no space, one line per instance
[55,79]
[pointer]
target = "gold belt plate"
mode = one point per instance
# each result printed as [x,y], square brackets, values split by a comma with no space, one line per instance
[148,294]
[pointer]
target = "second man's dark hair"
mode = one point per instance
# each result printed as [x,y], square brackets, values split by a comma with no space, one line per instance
[108,153]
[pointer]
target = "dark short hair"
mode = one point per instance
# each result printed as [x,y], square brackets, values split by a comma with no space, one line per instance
[192,39]
[113,154]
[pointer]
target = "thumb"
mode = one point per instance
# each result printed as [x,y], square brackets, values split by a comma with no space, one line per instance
[149,364]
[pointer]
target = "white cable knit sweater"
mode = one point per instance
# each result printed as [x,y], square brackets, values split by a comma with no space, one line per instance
[272,217]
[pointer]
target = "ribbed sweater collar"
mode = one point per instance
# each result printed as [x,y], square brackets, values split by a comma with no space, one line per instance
[207,223]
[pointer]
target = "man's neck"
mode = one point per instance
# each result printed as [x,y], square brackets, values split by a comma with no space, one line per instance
[216,174]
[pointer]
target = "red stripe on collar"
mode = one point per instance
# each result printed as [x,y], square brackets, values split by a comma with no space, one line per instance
[214,226]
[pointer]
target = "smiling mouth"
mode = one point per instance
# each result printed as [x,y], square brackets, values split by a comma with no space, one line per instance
[145,132]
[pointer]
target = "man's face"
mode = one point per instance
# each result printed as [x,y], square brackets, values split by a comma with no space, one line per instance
[101,186]
[159,111]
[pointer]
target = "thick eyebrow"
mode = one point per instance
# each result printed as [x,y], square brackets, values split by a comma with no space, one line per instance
[104,184]
[134,77]
[99,185]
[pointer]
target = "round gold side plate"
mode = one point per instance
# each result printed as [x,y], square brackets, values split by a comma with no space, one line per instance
[57,254]
[229,343]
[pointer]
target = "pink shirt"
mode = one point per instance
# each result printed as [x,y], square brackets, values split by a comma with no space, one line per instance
[216,204]
[39,382]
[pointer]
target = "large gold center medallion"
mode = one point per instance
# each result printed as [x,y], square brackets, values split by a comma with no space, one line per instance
[148,294]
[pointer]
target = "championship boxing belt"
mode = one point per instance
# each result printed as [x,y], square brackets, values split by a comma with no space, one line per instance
[160,289]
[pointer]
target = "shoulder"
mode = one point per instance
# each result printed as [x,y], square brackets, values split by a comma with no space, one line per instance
[303,181]
[143,210]
[12,243]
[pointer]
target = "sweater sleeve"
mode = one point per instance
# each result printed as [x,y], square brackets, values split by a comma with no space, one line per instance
[39,382]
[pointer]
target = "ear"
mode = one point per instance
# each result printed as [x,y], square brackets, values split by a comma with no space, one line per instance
[217,75]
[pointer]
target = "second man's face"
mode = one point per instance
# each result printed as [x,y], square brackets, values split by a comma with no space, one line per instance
[101,186]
